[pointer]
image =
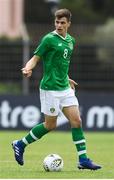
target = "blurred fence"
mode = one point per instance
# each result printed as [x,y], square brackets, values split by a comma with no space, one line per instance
[89,67]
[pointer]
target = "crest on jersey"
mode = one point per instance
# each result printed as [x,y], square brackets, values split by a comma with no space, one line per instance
[70,45]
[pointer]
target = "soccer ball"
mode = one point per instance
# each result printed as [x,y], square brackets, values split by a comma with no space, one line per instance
[53,162]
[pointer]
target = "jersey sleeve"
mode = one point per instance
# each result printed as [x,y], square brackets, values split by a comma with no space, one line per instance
[43,47]
[74,41]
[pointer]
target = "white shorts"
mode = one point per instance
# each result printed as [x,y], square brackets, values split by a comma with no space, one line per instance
[54,101]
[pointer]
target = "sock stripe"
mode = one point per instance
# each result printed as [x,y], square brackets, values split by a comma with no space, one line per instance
[33,136]
[81,152]
[25,141]
[80,141]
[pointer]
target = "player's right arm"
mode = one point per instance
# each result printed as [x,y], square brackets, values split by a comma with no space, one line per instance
[27,70]
[38,53]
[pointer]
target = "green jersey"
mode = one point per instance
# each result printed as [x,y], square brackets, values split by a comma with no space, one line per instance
[55,51]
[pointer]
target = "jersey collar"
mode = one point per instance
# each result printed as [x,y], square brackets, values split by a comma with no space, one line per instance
[64,38]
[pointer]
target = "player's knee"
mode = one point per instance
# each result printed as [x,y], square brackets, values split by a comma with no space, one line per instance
[77,122]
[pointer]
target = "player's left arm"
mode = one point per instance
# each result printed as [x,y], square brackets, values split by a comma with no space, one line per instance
[73,83]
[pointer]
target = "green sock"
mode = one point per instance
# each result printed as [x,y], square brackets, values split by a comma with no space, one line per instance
[36,133]
[79,141]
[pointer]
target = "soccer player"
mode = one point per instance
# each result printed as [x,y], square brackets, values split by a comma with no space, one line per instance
[57,90]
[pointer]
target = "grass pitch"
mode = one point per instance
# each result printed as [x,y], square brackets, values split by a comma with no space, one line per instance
[100,147]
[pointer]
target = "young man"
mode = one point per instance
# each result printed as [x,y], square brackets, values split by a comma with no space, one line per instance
[56,90]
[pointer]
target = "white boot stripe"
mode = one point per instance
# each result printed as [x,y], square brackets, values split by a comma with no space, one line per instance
[16,151]
[16,148]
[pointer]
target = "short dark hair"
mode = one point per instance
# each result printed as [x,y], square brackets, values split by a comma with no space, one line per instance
[63,13]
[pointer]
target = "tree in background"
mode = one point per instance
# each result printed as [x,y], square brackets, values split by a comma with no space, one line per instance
[83,11]
[90,11]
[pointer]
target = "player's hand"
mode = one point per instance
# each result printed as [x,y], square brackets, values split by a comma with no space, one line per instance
[73,84]
[26,72]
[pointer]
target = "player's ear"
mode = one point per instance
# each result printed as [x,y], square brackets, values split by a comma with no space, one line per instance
[69,23]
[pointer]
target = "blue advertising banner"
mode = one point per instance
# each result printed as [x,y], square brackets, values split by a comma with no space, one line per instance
[23,112]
